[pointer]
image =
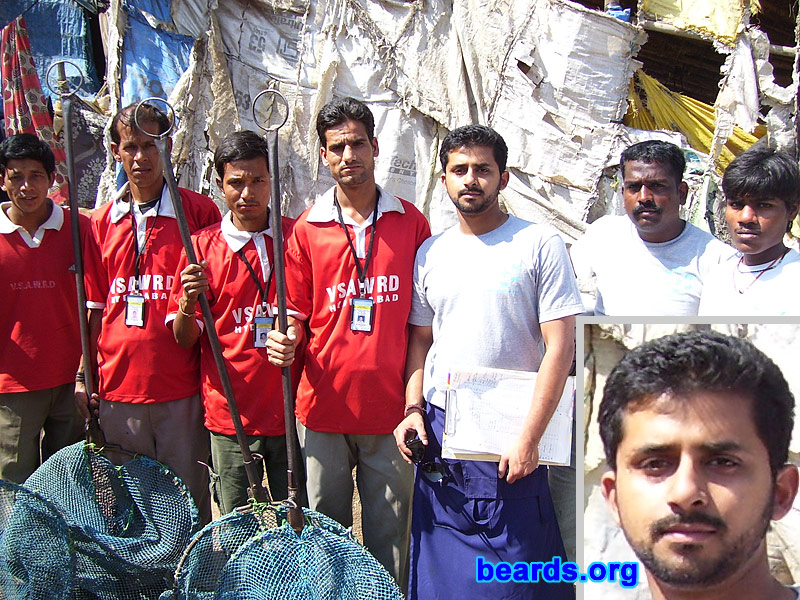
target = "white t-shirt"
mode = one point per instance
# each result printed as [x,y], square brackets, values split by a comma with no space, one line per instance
[759,290]
[485,297]
[638,278]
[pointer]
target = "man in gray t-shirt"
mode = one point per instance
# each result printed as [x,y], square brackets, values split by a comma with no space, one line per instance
[494,291]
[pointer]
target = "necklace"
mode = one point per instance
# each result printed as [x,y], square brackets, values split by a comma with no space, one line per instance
[760,273]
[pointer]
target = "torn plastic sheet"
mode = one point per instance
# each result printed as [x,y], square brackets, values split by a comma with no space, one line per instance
[739,93]
[718,19]
[425,68]
[563,129]
[269,39]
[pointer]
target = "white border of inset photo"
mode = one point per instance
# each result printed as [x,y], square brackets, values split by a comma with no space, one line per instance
[779,338]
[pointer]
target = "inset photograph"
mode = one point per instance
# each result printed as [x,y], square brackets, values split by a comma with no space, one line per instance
[691,454]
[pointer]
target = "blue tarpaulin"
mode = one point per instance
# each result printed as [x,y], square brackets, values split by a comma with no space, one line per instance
[58,30]
[152,59]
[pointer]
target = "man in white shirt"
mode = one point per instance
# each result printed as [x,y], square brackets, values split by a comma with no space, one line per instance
[762,192]
[651,262]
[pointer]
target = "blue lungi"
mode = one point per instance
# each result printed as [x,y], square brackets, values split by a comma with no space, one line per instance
[472,513]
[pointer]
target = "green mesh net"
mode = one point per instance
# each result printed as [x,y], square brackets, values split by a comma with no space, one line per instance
[249,555]
[127,527]
[28,525]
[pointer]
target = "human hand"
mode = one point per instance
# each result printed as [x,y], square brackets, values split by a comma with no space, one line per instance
[85,406]
[281,347]
[194,282]
[519,460]
[412,426]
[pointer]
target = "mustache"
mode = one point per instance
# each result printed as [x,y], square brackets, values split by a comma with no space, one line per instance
[647,206]
[470,190]
[746,228]
[660,527]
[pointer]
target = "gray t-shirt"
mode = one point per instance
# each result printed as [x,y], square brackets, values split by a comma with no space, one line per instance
[486,295]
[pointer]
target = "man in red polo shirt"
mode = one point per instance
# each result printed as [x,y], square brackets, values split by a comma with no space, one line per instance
[236,258]
[39,312]
[149,387]
[349,269]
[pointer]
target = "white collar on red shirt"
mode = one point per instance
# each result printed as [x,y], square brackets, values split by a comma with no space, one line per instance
[324,210]
[237,239]
[122,205]
[54,221]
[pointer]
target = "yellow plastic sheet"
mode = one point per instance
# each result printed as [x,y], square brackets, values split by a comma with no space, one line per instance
[719,19]
[652,106]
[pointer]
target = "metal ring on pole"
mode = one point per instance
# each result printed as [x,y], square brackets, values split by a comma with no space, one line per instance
[66,93]
[277,113]
[278,100]
[170,116]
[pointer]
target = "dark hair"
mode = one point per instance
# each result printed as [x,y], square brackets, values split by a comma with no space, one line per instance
[147,114]
[474,135]
[239,145]
[682,364]
[27,145]
[341,110]
[763,173]
[655,151]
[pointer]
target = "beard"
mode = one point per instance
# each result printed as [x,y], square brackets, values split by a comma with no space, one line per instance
[360,176]
[477,206]
[693,569]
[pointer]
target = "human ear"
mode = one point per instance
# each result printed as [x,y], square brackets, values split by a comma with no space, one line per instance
[784,491]
[608,486]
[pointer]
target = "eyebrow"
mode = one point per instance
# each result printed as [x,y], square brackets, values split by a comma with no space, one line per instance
[708,447]
[21,172]
[645,179]
[464,164]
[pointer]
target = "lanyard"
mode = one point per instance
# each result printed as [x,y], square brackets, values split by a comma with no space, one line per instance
[362,271]
[136,250]
[261,291]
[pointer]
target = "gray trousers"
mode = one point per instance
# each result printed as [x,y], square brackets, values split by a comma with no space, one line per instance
[385,484]
[169,432]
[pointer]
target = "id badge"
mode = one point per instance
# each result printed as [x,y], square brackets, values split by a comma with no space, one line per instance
[361,314]
[134,310]
[261,328]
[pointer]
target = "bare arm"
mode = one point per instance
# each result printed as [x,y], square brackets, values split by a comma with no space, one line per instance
[420,340]
[185,327]
[523,456]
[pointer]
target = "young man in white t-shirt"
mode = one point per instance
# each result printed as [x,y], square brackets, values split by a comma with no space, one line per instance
[762,192]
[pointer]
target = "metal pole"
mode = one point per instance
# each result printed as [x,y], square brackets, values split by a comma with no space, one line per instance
[94,434]
[296,519]
[295,515]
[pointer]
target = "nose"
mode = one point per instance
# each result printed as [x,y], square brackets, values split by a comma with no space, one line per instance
[687,486]
[747,214]
[645,193]
[347,153]
[469,176]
